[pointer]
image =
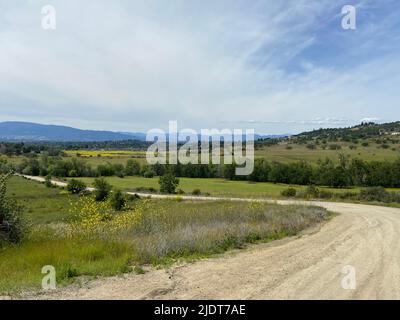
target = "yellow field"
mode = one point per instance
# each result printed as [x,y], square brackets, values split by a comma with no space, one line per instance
[105,153]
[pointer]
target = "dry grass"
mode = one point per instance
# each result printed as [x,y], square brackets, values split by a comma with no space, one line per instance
[169,229]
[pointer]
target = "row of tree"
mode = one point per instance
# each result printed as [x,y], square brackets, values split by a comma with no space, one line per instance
[346,172]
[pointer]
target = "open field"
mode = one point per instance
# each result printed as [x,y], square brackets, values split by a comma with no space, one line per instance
[148,232]
[302,268]
[96,157]
[280,153]
[214,187]
[43,205]
[106,153]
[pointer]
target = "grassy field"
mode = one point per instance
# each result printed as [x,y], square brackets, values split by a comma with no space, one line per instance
[106,153]
[214,187]
[43,205]
[280,153]
[96,157]
[148,232]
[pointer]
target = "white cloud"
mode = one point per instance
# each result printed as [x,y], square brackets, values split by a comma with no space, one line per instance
[134,65]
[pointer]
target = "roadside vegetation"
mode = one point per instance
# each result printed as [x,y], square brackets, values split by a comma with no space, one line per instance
[376,195]
[346,172]
[93,238]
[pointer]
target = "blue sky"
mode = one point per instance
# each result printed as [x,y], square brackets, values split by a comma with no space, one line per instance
[275,66]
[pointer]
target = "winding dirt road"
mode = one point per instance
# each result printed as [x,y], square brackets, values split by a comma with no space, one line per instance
[306,267]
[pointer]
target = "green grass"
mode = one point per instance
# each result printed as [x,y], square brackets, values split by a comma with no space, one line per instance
[42,205]
[167,231]
[20,266]
[94,161]
[215,187]
[301,152]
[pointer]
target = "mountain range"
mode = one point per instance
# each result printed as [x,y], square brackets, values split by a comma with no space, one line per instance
[33,132]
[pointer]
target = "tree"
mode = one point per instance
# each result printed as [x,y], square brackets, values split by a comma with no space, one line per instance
[117,200]
[47,182]
[102,189]
[132,168]
[12,225]
[168,183]
[76,186]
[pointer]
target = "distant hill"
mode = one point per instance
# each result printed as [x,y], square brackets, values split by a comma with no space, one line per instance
[26,131]
[32,132]
[361,131]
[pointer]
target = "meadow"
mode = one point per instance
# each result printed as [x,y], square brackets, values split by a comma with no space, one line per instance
[299,152]
[81,237]
[284,152]
[214,187]
[96,157]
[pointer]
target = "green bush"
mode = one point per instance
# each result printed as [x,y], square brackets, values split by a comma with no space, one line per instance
[289,192]
[117,200]
[102,189]
[312,192]
[323,194]
[76,186]
[374,194]
[13,226]
[335,147]
[47,182]
[149,174]
[168,183]
[196,192]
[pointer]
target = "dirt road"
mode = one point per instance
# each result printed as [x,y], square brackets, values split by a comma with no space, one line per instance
[309,267]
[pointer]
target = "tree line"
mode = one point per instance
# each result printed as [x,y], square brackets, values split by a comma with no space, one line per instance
[345,172]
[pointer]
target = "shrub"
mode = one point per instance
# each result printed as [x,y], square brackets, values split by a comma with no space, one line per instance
[47,182]
[374,194]
[180,191]
[76,186]
[132,168]
[289,192]
[168,183]
[12,224]
[102,189]
[117,200]
[323,194]
[196,192]
[335,147]
[149,174]
[312,192]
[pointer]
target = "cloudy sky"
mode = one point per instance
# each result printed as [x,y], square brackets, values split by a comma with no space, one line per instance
[278,66]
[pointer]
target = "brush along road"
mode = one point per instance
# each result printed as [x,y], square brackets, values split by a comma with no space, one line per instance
[364,238]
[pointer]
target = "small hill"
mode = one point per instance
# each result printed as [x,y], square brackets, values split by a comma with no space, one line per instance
[363,131]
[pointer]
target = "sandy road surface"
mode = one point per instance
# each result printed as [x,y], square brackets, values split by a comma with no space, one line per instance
[309,267]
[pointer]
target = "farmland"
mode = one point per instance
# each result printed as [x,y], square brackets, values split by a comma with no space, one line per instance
[290,152]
